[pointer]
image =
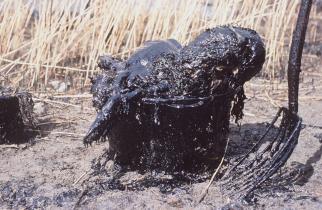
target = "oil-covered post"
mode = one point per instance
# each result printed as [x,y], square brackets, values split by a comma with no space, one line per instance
[294,63]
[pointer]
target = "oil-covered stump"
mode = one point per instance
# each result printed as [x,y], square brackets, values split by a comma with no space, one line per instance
[16,117]
[172,139]
[168,107]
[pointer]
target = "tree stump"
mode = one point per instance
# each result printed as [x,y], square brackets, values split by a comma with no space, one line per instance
[171,139]
[17,123]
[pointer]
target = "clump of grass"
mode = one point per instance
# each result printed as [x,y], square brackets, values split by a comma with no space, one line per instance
[41,40]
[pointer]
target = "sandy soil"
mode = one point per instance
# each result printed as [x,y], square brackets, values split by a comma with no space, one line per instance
[48,172]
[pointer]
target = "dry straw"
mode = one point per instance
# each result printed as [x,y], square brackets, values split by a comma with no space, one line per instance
[54,39]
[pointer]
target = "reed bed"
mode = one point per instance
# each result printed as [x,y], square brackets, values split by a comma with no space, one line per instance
[44,40]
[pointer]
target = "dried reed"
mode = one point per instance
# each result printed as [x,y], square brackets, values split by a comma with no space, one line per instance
[41,40]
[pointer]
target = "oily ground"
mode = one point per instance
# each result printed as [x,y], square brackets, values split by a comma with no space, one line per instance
[50,171]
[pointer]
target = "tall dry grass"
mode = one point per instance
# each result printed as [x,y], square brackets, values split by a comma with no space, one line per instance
[50,39]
